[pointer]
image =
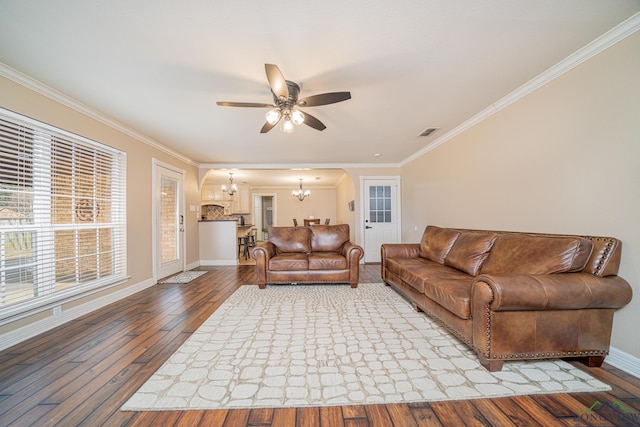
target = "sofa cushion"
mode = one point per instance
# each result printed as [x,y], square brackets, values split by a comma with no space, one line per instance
[289,261]
[529,254]
[327,261]
[397,265]
[437,242]
[446,286]
[453,293]
[290,239]
[329,238]
[469,252]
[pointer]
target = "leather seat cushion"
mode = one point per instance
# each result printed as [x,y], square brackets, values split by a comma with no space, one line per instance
[470,251]
[289,261]
[329,238]
[529,254]
[290,239]
[327,261]
[446,286]
[437,242]
[397,265]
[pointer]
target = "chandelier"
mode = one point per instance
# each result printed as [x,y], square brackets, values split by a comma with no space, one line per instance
[300,194]
[232,187]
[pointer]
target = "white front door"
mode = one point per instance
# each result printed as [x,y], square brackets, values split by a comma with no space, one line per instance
[381,209]
[168,221]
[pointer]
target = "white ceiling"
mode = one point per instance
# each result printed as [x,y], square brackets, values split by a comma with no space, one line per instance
[159,67]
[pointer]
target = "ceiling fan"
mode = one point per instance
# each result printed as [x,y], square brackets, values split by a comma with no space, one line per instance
[286,103]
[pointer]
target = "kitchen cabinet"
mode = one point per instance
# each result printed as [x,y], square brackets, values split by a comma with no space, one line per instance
[212,193]
[241,200]
[239,203]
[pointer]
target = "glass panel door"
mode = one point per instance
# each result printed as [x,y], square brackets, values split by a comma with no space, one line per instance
[169,222]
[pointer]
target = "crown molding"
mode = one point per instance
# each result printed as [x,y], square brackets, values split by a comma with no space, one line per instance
[59,97]
[297,165]
[608,39]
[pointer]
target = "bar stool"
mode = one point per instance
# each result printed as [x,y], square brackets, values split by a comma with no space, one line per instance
[242,243]
[246,242]
[249,242]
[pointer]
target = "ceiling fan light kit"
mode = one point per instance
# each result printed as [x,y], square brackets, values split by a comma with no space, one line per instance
[273,116]
[285,97]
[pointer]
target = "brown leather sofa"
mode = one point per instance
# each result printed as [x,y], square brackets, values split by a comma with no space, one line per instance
[313,254]
[512,295]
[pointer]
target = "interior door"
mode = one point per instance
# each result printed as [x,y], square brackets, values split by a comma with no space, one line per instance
[381,215]
[169,221]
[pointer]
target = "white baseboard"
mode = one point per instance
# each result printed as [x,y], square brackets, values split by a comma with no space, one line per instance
[193,265]
[212,262]
[17,336]
[624,361]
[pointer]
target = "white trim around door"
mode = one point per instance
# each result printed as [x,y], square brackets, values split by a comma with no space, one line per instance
[381,214]
[177,263]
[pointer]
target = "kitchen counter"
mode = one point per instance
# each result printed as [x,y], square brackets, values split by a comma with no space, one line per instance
[218,242]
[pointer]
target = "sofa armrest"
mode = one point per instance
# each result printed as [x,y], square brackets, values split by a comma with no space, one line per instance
[352,252]
[564,291]
[262,253]
[396,250]
[400,250]
[264,249]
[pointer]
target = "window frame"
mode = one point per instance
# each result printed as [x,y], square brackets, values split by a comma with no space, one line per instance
[48,137]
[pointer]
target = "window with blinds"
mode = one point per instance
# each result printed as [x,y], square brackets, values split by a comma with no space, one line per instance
[62,215]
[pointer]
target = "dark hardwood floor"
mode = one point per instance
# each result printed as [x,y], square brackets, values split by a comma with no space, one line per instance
[82,372]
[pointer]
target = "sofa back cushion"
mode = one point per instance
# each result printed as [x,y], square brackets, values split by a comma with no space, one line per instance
[437,242]
[469,252]
[329,238]
[530,254]
[290,239]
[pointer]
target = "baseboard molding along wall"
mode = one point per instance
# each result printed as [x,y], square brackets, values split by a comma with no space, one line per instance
[623,361]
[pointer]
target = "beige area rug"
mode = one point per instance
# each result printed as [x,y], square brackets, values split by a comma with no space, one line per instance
[322,345]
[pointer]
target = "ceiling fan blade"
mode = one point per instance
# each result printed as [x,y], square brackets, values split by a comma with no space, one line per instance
[268,126]
[309,120]
[276,81]
[245,104]
[324,99]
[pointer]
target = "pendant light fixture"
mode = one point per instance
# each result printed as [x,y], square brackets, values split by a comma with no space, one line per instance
[231,190]
[301,194]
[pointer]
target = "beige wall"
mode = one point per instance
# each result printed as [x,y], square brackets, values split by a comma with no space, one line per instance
[139,166]
[356,175]
[346,192]
[321,204]
[565,159]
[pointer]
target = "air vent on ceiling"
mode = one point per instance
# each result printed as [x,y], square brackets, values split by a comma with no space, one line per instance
[428,132]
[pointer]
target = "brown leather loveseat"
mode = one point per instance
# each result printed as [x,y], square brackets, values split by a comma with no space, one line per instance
[514,295]
[313,254]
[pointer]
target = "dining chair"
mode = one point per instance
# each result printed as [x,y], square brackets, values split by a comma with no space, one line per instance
[326,221]
[295,222]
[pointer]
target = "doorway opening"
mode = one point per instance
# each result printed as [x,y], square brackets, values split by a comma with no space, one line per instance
[264,207]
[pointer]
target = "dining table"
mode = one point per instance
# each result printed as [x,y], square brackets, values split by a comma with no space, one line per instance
[311,221]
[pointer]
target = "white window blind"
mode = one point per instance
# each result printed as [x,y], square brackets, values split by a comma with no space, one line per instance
[62,215]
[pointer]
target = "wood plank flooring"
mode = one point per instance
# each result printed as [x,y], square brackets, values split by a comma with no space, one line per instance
[82,372]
